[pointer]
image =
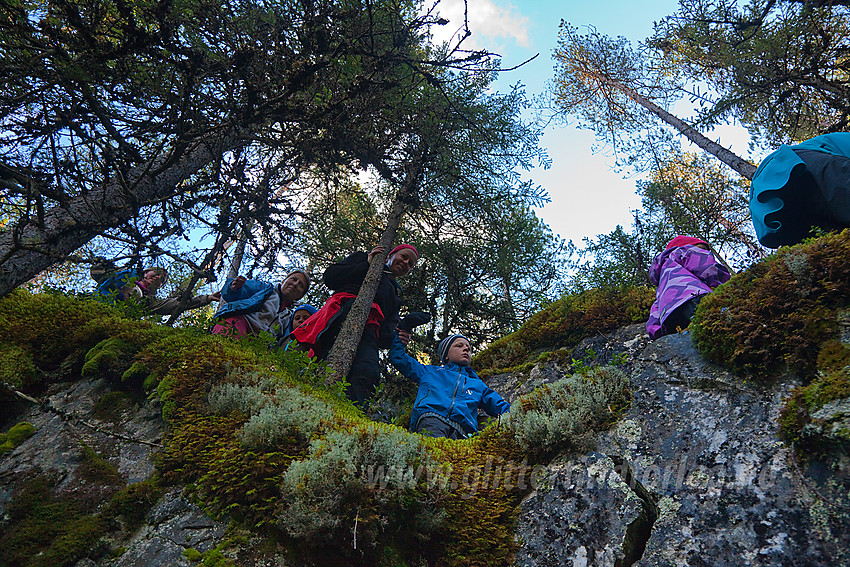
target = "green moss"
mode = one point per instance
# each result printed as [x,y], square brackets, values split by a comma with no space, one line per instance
[776,315]
[832,382]
[138,374]
[95,468]
[16,435]
[16,367]
[111,406]
[564,323]
[131,504]
[46,530]
[453,513]
[192,554]
[784,314]
[215,558]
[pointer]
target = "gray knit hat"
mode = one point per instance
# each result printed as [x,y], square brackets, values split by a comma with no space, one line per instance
[445,344]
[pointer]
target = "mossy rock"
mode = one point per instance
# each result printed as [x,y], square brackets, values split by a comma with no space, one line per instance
[16,435]
[46,530]
[564,323]
[775,316]
[204,450]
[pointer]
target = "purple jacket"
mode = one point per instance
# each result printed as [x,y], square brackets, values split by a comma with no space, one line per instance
[681,273]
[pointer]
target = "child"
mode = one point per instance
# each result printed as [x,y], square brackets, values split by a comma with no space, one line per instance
[449,395]
[685,272]
[301,314]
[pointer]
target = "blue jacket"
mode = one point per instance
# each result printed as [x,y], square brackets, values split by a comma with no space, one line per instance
[780,202]
[453,391]
[248,298]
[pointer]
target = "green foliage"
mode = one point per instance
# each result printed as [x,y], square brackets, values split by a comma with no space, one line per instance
[775,316]
[565,322]
[16,435]
[773,66]
[565,414]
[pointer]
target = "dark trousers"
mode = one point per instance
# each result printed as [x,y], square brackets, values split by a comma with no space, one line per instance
[435,427]
[365,370]
[681,316]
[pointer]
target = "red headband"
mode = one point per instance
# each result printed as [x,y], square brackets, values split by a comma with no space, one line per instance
[402,247]
[684,241]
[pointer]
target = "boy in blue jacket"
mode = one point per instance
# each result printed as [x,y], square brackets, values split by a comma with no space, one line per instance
[449,395]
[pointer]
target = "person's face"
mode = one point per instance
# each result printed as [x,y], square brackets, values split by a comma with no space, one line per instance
[299,317]
[402,262]
[152,280]
[294,287]
[459,352]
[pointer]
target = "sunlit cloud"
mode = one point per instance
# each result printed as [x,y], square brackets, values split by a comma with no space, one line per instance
[488,21]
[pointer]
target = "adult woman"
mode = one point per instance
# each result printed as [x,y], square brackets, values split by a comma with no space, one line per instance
[255,306]
[345,278]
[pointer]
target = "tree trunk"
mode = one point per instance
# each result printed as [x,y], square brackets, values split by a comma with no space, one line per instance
[342,353]
[736,162]
[28,249]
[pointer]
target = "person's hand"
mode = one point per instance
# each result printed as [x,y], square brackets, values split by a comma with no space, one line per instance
[238,282]
[404,336]
[375,250]
[215,296]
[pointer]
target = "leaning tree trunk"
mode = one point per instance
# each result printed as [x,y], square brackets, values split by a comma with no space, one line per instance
[736,162]
[32,247]
[345,345]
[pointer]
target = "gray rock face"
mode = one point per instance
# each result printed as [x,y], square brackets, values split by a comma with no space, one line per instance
[581,515]
[692,475]
[173,526]
[57,444]
[832,422]
[699,448]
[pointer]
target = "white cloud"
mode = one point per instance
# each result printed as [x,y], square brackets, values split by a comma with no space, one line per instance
[487,20]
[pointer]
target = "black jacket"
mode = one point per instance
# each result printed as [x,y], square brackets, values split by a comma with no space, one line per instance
[348,276]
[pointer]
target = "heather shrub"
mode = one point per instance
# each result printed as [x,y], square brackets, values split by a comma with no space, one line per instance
[247,399]
[274,411]
[564,415]
[370,477]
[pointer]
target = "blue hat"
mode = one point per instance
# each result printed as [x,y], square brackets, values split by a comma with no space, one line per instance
[445,344]
[304,307]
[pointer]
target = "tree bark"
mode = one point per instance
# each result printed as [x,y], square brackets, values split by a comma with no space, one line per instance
[342,353]
[28,249]
[736,162]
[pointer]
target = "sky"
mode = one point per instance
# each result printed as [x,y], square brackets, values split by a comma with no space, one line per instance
[588,196]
